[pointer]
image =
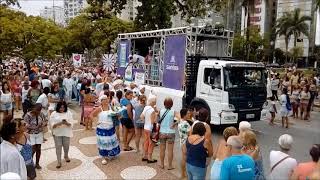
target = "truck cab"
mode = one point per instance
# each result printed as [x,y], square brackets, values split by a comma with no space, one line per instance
[232,90]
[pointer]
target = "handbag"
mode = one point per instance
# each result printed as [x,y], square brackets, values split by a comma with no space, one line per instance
[155,132]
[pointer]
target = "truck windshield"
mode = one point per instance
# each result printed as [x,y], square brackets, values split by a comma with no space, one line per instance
[244,77]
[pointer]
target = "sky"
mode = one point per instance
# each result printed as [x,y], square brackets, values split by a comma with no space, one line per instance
[33,7]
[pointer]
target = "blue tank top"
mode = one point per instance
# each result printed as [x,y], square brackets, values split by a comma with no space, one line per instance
[26,151]
[124,113]
[196,154]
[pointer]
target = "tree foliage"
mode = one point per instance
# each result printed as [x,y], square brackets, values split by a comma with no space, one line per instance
[29,37]
[292,23]
[255,42]
[154,14]
[95,35]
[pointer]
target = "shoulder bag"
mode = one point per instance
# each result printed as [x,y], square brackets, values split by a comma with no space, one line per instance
[156,128]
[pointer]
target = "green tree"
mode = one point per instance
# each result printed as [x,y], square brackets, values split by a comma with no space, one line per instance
[292,23]
[295,53]
[95,36]
[154,14]
[28,37]
[255,42]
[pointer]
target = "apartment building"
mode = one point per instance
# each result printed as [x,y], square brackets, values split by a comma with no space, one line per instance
[55,13]
[306,9]
[262,14]
[72,8]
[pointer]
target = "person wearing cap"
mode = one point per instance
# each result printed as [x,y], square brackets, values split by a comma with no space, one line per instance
[107,141]
[282,165]
[303,170]
[238,165]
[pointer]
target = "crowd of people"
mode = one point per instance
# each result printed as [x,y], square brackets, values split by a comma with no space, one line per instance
[298,94]
[122,113]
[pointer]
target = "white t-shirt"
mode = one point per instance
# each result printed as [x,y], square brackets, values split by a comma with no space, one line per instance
[43,100]
[11,160]
[61,130]
[68,83]
[46,83]
[147,112]
[284,169]
[24,94]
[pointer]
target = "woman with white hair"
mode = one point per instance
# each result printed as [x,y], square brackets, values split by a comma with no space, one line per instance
[282,165]
[243,127]
[108,143]
[149,116]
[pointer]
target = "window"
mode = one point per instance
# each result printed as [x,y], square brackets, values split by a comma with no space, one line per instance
[212,77]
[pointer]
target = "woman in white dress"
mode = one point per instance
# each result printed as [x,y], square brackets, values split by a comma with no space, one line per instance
[107,141]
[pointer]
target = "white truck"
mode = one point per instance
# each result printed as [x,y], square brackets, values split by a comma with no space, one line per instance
[193,65]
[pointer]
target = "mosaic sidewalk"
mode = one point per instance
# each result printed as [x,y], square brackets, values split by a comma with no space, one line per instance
[86,163]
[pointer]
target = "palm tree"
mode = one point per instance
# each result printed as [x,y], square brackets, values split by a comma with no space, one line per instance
[249,7]
[293,23]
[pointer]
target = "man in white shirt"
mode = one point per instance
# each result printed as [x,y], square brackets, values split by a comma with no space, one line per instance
[11,159]
[68,84]
[282,165]
[43,100]
[45,82]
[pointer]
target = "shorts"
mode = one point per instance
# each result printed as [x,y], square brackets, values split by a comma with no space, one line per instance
[284,113]
[6,106]
[36,138]
[31,171]
[126,122]
[167,137]
[138,124]
[115,121]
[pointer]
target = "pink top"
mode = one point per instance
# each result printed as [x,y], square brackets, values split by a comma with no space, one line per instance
[305,169]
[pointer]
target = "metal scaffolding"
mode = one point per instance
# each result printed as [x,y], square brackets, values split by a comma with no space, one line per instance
[197,38]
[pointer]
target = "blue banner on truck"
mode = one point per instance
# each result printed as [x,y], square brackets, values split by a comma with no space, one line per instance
[174,62]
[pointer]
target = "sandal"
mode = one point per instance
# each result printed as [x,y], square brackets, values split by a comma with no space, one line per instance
[130,149]
[58,166]
[152,161]
[67,160]
[144,159]
[171,168]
